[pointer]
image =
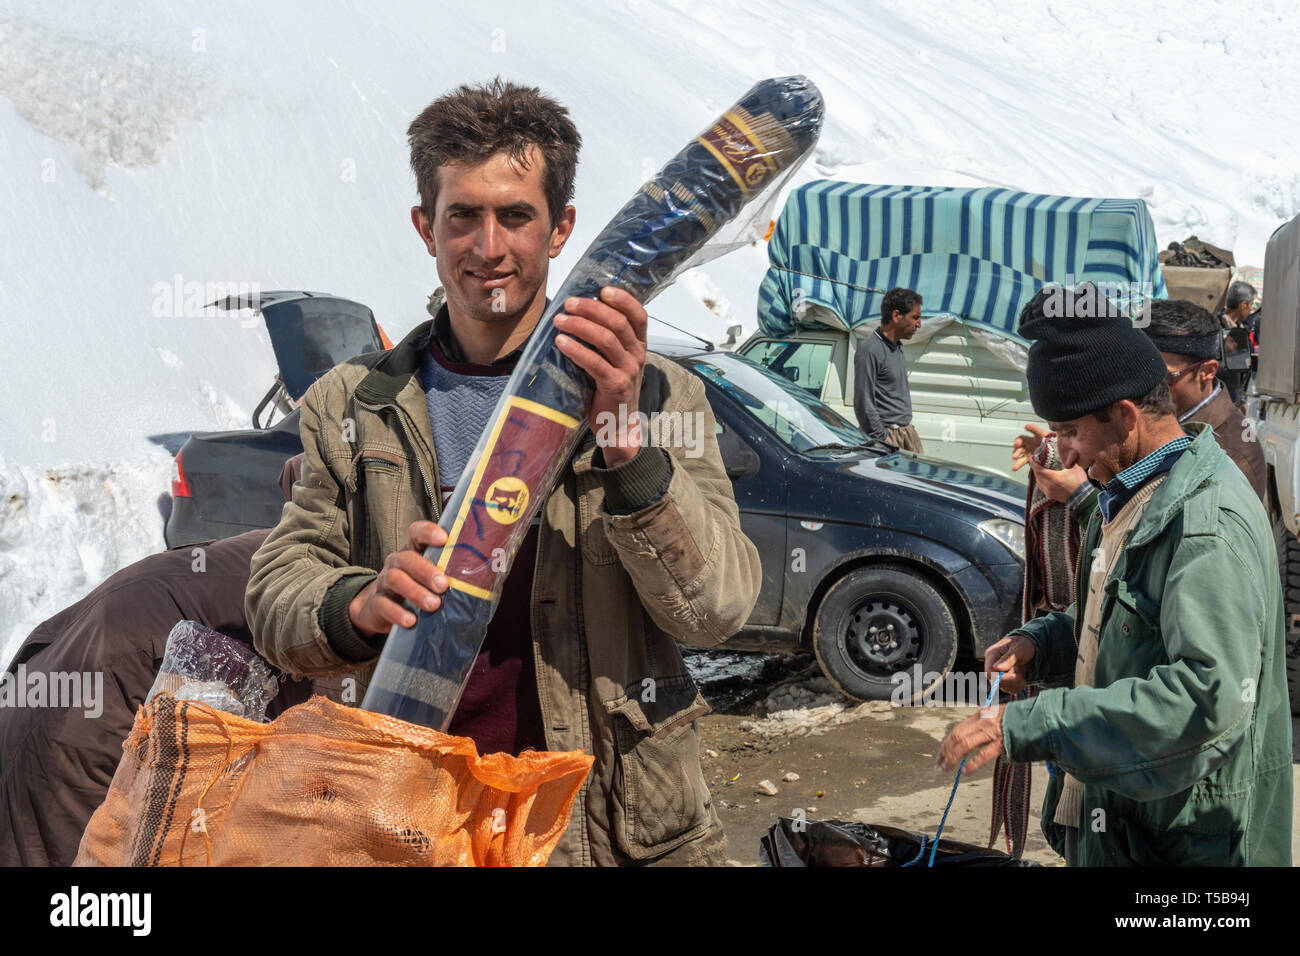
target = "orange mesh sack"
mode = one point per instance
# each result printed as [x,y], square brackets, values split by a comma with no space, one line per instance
[323,785]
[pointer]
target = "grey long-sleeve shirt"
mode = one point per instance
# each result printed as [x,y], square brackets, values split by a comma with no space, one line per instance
[881,398]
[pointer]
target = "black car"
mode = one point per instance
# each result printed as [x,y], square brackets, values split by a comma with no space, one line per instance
[878,560]
[224,483]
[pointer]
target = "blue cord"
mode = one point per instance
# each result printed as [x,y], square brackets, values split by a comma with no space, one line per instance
[934,848]
[920,853]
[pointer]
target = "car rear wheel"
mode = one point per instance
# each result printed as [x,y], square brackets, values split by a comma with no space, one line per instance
[880,621]
[1288,562]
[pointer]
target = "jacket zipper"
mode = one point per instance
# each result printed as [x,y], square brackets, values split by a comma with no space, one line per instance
[434,499]
[584,677]
[533,627]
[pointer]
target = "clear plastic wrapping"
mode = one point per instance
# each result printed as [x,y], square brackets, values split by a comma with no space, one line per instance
[206,666]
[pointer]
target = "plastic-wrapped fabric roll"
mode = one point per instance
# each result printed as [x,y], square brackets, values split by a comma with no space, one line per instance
[539,420]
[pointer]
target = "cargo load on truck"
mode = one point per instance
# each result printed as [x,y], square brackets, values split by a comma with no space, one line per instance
[1196,271]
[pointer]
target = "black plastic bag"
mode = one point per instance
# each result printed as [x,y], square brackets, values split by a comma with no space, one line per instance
[838,843]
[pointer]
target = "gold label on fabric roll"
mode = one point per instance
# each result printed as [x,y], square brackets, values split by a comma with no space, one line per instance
[506,499]
[733,142]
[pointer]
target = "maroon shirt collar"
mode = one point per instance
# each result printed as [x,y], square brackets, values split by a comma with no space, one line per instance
[444,347]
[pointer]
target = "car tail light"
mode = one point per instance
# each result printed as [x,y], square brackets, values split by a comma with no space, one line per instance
[180,486]
[383,337]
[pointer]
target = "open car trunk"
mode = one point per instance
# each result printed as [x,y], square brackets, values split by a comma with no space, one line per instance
[311,332]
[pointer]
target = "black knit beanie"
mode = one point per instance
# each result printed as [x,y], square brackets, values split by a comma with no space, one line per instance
[1184,328]
[1086,354]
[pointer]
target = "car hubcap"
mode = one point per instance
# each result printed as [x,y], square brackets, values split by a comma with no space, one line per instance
[882,638]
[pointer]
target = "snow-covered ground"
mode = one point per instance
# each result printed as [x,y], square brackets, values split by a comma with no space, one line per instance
[148,145]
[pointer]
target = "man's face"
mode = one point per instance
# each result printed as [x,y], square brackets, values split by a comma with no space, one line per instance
[1192,384]
[1097,446]
[905,326]
[492,236]
[1241,313]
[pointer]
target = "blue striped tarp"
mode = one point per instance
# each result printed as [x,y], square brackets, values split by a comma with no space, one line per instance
[977,254]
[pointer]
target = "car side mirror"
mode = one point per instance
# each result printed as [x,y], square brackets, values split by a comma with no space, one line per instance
[739,459]
[744,465]
[1236,349]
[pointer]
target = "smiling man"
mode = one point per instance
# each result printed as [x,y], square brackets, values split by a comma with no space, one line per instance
[1164,703]
[636,548]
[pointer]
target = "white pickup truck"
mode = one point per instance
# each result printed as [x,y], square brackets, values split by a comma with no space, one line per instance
[1275,410]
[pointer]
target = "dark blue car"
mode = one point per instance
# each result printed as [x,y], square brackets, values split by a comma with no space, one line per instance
[878,560]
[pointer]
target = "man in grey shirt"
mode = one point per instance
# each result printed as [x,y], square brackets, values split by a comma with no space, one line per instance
[881,399]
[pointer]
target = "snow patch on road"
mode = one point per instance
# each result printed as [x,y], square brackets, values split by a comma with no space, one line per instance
[814,721]
[709,667]
[819,717]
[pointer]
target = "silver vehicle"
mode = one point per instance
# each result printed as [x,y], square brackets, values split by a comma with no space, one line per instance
[1275,411]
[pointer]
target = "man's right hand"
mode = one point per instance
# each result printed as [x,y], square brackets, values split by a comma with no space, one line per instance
[1010,657]
[1057,483]
[405,575]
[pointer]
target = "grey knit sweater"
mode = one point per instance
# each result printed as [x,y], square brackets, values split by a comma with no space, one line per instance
[460,404]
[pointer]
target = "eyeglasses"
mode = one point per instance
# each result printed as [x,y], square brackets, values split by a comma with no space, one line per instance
[1173,378]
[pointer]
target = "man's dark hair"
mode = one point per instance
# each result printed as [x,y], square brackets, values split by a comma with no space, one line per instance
[1238,293]
[900,300]
[471,124]
[1174,317]
[1157,403]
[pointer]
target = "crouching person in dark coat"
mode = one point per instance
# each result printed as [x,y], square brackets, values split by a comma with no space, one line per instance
[56,761]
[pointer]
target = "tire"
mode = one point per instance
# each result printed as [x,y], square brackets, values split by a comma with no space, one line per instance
[1288,563]
[924,631]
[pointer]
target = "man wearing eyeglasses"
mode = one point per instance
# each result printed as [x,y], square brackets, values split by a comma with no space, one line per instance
[1188,338]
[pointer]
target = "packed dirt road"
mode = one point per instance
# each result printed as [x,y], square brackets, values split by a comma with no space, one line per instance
[777,721]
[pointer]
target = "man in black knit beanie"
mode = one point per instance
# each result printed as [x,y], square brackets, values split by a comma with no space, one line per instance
[1162,710]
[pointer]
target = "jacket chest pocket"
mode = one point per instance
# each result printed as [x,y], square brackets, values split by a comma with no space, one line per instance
[1131,641]
[379,495]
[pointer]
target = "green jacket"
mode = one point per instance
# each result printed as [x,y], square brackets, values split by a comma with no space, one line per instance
[1183,746]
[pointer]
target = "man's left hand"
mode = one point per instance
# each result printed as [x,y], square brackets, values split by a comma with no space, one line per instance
[612,351]
[980,736]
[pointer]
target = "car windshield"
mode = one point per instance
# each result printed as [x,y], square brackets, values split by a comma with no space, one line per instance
[800,420]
